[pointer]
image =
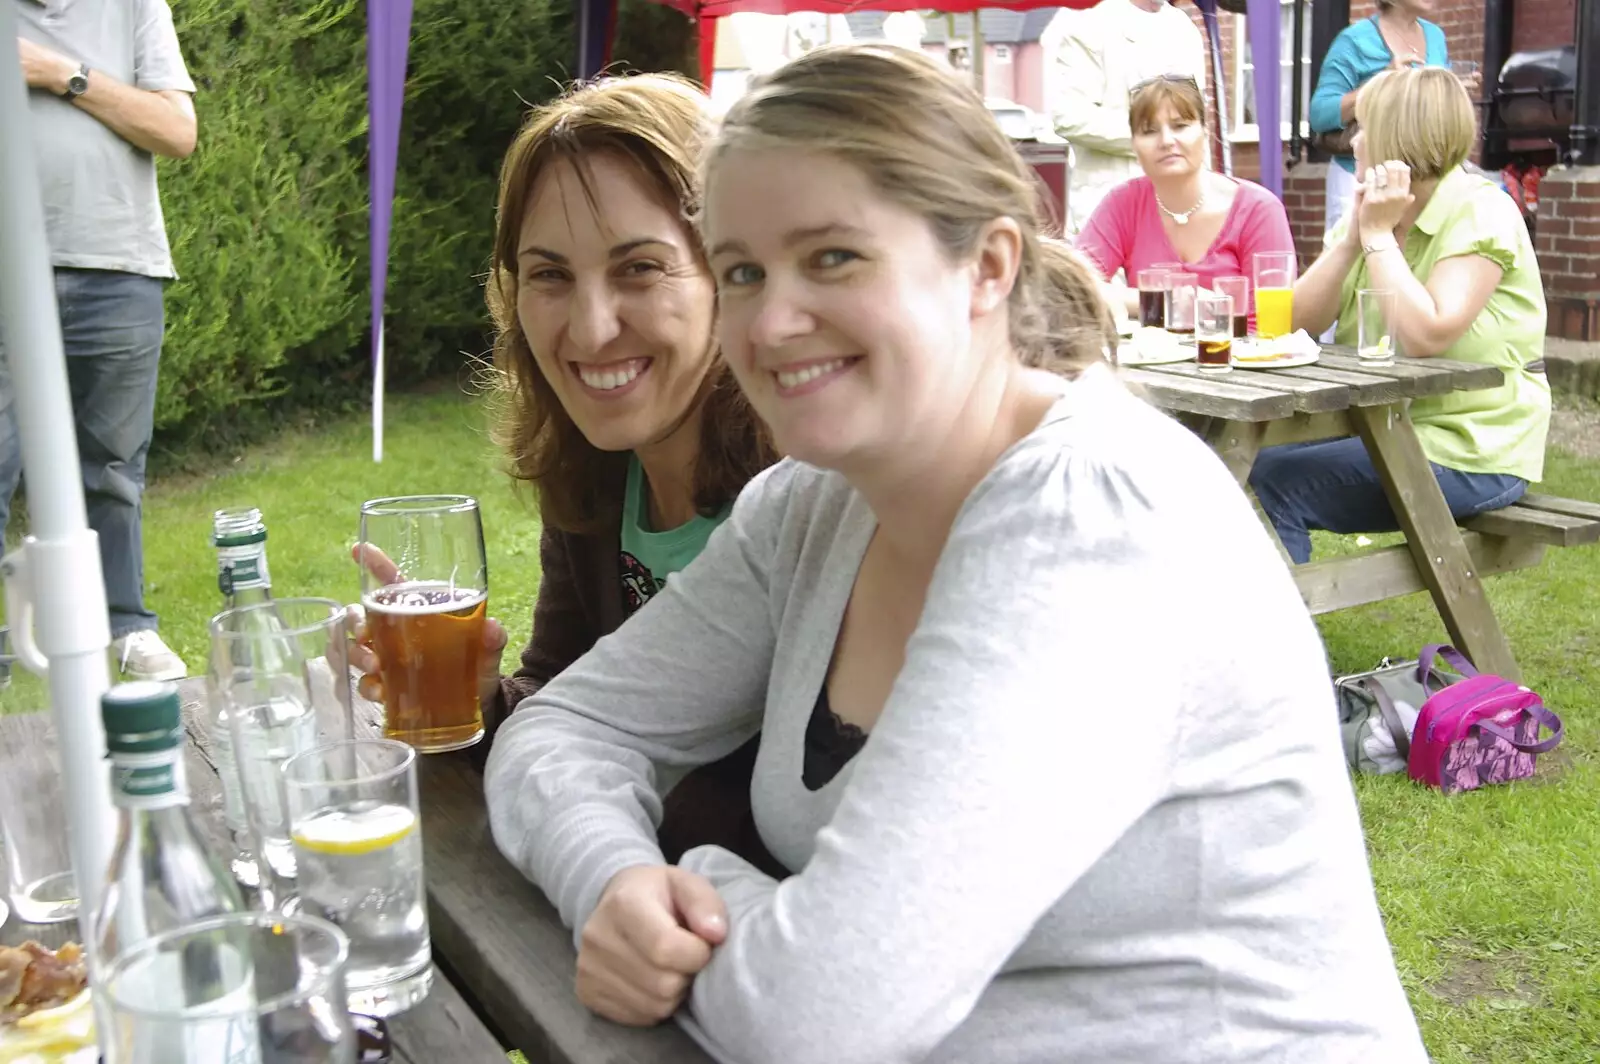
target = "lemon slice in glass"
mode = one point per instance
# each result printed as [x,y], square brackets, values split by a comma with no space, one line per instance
[351,832]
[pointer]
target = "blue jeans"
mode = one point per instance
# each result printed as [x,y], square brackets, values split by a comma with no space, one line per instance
[1332,485]
[111,327]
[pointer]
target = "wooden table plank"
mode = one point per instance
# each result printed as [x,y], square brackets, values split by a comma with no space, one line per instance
[1365,389]
[1443,561]
[505,943]
[1448,375]
[1211,398]
[1310,396]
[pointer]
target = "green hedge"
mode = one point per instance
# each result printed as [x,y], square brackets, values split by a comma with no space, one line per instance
[268,218]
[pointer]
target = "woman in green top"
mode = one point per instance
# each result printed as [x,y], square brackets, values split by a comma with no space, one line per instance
[1453,249]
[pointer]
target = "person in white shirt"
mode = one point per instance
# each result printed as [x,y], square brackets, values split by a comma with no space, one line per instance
[1107,50]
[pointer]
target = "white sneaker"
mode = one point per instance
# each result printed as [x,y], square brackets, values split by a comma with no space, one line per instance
[143,656]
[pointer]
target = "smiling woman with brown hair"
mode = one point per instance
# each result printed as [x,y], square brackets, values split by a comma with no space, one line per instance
[614,401]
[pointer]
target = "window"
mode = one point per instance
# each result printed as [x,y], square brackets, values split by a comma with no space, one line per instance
[1244,82]
[1002,53]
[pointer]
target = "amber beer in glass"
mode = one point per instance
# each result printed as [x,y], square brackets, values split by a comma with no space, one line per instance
[425,616]
[1213,333]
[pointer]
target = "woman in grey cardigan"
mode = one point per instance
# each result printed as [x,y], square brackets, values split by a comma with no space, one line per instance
[1050,756]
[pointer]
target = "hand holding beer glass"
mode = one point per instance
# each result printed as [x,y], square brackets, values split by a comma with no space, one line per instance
[425,592]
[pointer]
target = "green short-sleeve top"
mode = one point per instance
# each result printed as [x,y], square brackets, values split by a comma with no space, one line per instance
[1491,430]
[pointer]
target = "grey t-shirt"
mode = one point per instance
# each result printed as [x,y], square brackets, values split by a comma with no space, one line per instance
[1103,818]
[101,207]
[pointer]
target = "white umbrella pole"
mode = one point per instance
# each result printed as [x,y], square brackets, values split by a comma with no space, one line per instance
[59,565]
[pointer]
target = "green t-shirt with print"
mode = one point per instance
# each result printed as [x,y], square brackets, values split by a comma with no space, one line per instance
[650,557]
[1489,430]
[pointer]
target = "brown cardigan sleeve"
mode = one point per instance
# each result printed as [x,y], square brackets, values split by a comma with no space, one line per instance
[580,600]
[565,626]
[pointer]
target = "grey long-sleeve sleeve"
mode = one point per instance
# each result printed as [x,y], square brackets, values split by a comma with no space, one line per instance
[575,778]
[1107,777]
[932,870]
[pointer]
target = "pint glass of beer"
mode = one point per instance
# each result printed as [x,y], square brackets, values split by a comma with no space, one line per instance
[425,616]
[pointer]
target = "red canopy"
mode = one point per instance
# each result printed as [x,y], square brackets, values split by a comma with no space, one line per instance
[706,12]
[1264,32]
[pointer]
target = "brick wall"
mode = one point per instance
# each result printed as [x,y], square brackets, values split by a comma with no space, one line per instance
[1303,196]
[1568,245]
[1461,20]
[1543,24]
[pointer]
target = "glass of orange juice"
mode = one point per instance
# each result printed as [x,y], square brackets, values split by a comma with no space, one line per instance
[1274,277]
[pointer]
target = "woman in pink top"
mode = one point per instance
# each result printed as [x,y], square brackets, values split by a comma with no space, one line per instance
[1179,211]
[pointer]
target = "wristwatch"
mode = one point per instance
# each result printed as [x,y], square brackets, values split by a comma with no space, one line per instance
[78,83]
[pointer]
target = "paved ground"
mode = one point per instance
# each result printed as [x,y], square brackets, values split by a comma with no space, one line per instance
[1574,366]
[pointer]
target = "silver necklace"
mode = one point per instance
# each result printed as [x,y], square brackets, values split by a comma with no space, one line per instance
[1181,217]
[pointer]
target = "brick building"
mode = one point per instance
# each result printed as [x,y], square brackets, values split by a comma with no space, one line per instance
[1567,229]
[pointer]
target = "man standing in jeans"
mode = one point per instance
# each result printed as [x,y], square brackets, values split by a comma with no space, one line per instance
[108,92]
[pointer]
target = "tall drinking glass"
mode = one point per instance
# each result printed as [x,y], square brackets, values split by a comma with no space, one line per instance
[39,879]
[1374,344]
[1238,290]
[1153,297]
[1274,275]
[282,670]
[1213,333]
[426,611]
[245,988]
[358,845]
[1181,290]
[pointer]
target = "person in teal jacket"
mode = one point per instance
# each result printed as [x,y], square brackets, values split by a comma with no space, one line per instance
[1397,36]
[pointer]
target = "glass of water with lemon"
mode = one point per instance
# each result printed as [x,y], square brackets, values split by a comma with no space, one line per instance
[358,849]
[1374,341]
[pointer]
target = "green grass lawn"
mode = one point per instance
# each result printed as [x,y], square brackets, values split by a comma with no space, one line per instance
[1492,898]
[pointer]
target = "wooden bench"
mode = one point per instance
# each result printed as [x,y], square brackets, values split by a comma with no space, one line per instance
[1339,397]
[1546,519]
[1500,541]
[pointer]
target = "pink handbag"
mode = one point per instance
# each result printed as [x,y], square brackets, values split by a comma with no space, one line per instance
[1481,730]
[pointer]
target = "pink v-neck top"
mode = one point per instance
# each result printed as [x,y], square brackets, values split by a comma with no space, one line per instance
[1125,233]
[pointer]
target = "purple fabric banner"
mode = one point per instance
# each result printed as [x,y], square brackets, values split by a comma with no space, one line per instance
[388,37]
[1266,21]
[596,21]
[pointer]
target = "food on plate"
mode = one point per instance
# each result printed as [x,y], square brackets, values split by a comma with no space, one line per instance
[33,977]
[45,1016]
[1259,351]
[1261,354]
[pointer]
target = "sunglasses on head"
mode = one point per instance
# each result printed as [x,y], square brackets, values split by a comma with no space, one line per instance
[1169,79]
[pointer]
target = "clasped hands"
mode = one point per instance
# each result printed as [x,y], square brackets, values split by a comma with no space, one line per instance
[651,933]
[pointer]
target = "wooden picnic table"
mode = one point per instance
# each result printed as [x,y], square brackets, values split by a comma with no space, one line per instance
[510,960]
[1241,412]
[442,1028]
[503,941]
[505,961]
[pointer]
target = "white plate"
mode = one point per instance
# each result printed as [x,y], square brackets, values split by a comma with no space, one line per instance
[1127,356]
[1304,358]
